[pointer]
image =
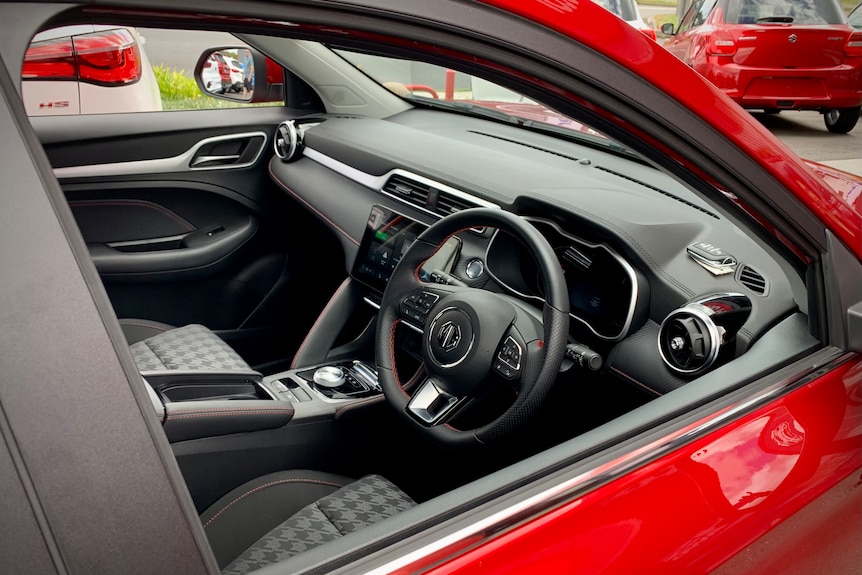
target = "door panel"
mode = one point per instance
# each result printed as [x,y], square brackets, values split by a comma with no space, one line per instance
[185,225]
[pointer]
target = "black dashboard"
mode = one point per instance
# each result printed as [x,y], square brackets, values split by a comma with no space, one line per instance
[629,238]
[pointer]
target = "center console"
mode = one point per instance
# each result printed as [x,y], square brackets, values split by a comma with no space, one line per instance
[325,375]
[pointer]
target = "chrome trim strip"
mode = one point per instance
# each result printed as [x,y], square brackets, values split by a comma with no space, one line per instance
[566,491]
[623,263]
[411,326]
[377,182]
[373,304]
[147,242]
[162,165]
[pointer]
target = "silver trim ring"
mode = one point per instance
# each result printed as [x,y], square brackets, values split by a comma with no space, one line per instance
[291,135]
[697,310]
[431,335]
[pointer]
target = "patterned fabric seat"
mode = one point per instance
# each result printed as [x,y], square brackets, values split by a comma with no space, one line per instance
[282,514]
[191,347]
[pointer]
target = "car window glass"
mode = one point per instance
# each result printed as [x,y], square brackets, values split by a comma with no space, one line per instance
[435,86]
[811,12]
[702,12]
[102,69]
[687,20]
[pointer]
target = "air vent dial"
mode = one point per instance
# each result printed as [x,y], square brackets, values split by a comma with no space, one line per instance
[287,141]
[691,338]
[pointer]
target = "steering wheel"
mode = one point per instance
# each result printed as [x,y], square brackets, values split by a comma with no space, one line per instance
[472,339]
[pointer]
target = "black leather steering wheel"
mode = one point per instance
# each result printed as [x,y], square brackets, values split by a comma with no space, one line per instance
[471,338]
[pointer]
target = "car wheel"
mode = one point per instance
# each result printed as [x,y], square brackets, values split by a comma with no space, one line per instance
[841,120]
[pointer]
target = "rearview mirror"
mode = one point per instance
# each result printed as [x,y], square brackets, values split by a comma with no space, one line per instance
[239,74]
[668,29]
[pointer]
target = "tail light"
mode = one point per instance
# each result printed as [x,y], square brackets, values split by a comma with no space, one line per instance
[649,33]
[854,45]
[50,60]
[721,43]
[110,58]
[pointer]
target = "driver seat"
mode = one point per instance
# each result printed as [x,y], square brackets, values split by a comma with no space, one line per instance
[282,514]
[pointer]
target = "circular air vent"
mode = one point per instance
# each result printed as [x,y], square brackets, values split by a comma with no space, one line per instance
[287,142]
[689,341]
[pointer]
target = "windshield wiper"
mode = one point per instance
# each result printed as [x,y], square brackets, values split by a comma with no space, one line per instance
[775,19]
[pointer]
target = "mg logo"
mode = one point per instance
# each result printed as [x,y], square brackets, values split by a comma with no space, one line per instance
[792,38]
[449,336]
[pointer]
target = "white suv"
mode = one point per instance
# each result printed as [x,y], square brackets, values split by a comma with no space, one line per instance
[88,70]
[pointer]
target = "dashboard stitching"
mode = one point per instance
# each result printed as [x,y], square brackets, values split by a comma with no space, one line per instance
[636,382]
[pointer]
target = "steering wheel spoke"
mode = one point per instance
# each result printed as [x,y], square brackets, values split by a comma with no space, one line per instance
[510,357]
[417,304]
[431,405]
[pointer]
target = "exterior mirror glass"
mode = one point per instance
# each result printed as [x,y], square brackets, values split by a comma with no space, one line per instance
[227,73]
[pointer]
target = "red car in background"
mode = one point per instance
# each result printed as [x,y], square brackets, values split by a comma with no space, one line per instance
[776,55]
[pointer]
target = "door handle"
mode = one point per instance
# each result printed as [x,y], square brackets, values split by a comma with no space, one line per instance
[201,161]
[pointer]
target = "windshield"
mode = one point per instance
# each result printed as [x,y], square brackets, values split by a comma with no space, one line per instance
[435,86]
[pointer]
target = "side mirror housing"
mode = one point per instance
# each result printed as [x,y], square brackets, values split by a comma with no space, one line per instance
[239,74]
[668,29]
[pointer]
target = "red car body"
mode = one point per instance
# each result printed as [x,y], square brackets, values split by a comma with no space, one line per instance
[717,492]
[770,61]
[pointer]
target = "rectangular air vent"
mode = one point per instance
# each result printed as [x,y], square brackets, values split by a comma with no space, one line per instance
[410,191]
[447,204]
[426,197]
[752,279]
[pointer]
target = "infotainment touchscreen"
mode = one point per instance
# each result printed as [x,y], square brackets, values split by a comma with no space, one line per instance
[387,237]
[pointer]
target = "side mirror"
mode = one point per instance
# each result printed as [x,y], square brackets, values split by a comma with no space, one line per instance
[239,74]
[668,29]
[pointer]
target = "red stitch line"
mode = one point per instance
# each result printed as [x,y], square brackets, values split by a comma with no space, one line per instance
[362,403]
[318,320]
[139,203]
[312,208]
[264,486]
[636,382]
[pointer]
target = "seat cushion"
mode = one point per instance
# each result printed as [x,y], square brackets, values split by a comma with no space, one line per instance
[191,347]
[320,519]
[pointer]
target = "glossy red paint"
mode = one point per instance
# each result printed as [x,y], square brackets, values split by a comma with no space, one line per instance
[618,41]
[692,510]
[846,185]
[758,67]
